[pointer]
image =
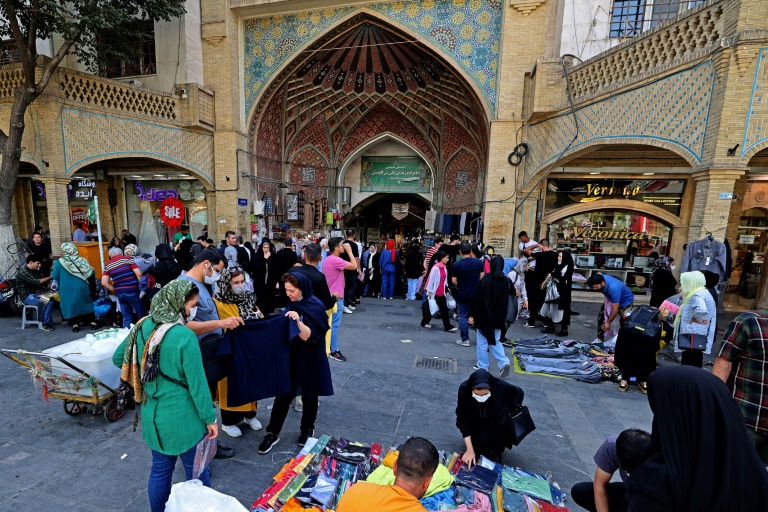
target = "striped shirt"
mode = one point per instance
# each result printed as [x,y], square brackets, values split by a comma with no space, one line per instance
[120,270]
[746,346]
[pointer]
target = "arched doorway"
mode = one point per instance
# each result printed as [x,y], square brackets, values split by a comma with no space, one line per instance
[368,87]
[388,215]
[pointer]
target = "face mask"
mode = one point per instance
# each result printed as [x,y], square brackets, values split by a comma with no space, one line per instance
[238,289]
[191,315]
[481,398]
[672,267]
[212,278]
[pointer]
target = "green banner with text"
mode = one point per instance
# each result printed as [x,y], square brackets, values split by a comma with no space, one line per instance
[394,174]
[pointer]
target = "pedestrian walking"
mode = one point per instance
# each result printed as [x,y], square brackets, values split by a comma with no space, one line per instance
[435,291]
[121,277]
[564,276]
[388,263]
[467,273]
[663,282]
[544,263]
[413,272]
[489,310]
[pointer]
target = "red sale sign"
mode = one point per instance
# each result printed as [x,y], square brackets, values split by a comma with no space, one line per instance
[172,212]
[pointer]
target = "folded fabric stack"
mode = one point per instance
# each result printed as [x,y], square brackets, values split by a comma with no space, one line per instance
[320,474]
[564,359]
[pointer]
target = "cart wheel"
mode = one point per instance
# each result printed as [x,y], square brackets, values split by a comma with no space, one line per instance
[111,413]
[72,408]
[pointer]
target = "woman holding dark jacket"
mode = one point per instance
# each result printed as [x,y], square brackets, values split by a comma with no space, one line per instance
[489,310]
[482,415]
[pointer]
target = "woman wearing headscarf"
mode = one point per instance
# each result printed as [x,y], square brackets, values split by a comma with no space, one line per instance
[517,276]
[76,279]
[232,298]
[489,310]
[165,269]
[663,282]
[564,274]
[183,253]
[309,363]
[435,289]
[483,406]
[697,315]
[413,270]
[170,384]
[700,457]
[264,278]
[388,264]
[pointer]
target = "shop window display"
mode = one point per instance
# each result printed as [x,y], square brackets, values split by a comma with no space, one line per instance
[748,257]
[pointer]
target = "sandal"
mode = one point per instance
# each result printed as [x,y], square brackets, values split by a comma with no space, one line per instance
[94,326]
[643,388]
[623,386]
[76,328]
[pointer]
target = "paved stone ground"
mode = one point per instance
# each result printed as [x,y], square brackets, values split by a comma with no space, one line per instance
[51,461]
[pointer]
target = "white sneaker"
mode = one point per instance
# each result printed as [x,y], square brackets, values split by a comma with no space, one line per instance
[462,343]
[352,307]
[298,406]
[253,423]
[348,311]
[232,430]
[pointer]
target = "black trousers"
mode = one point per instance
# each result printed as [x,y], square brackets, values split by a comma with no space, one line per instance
[280,411]
[535,296]
[583,495]
[692,358]
[445,316]
[350,287]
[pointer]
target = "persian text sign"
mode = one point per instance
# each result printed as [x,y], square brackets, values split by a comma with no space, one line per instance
[394,174]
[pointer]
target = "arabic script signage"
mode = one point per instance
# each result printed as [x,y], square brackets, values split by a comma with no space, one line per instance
[394,174]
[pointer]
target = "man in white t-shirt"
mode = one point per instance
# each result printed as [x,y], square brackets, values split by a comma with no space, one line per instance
[525,243]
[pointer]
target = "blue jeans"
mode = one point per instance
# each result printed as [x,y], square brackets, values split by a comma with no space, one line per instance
[335,324]
[412,288]
[388,284]
[497,350]
[130,304]
[31,300]
[161,476]
[463,310]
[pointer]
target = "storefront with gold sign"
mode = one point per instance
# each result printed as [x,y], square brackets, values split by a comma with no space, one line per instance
[618,227]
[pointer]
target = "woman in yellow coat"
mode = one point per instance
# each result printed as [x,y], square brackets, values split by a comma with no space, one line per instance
[233,299]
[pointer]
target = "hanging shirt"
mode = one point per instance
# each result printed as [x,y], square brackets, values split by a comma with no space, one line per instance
[260,364]
[705,255]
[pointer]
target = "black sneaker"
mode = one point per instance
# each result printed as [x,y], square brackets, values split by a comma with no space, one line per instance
[47,327]
[268,442]
[338,356]
[305,434]
[507,343]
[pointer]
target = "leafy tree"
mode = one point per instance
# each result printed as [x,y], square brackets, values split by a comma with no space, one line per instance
[96,31]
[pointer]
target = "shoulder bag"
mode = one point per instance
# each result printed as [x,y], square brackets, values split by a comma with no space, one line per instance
[520,424]
[690,341]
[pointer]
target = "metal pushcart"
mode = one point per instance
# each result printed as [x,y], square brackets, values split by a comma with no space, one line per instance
[63,380]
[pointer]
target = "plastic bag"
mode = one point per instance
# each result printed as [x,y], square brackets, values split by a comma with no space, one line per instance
[450,300]
[206,449]
[433,307]
[193,495]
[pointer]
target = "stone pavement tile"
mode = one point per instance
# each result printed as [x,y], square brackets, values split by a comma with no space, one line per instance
[432,422]
[74,442]
[343,415]
[36,500]
[26,467]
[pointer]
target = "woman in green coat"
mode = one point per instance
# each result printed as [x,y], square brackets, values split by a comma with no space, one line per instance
[72,272]
[176,406]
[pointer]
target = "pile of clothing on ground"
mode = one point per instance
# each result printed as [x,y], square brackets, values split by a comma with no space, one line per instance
[327,467]
[570,358]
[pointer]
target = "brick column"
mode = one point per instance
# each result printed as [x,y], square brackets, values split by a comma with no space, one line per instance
[58,211]
[710,213]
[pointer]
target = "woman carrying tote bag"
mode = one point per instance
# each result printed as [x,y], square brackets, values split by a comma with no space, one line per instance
[694,323]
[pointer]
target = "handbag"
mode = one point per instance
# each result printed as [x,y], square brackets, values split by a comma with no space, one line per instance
[645,319]
[690,341]
[520,424]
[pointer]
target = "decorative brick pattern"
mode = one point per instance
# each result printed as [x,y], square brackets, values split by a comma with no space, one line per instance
[467,32]
[11,77]
[671,113]
[310,158]
[313,134]
[461,178]
[756,128]
[91,138]
[31,142]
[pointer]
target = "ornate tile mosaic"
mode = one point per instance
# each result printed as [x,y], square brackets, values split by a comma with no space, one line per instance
[756,129]
[670,112]
[93,137]
[468,32]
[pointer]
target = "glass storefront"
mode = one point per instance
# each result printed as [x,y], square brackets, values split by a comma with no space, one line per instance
[748,258]
[80,192]
[666,194]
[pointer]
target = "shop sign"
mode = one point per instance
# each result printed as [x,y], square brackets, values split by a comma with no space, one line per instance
[172,212]
[597,190]
[83,190]
[79,215]
[394,174]
[308,174]
[726,196]
[155,194]
[242,201]
[583,232]
[666,194]
[747,239]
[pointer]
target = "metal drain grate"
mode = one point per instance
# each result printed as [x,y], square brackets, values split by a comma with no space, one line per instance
[445,364]
[400,327]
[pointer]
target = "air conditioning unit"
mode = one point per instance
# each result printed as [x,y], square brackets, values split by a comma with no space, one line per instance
[134,82]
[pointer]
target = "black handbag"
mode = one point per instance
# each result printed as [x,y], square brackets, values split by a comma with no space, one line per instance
[520,424]
[689,341]
[646,320]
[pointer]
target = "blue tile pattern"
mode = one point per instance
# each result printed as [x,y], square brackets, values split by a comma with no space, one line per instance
[757,115]
[468,32]
[673,110]
[93,137]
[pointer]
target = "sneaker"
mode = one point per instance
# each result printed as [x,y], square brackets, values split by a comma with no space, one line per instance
[347,310]
[453,329]
[455,316]
[504,372]
[507,343]
[305,434]
[529,325]
[426,326]
[268,442]
[47,327]
[352,307]
[253,423]
[298,406]
[338,356]
[475,367]
[463,343]
[232,430]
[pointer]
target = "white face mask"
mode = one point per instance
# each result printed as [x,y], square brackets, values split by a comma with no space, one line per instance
[481,398]
[192,313]
[238,289]
[672,267]
[212,278]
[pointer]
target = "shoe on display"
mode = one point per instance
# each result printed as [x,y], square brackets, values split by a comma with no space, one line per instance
[298,406]
[253,423]
[268,442]
[504,372]
[338,356]
[463,343]
[347,310]
[305,434]
[232,430]
[223,452]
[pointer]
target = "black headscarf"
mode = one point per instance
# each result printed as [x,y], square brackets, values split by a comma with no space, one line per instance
[166,269]
[470,412]
[712,281]
[184,253]
[311,310]
[490,311]
[700,457]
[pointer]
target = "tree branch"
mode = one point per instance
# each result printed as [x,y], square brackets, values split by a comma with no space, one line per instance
[32,35]
[18,37]
[55,61]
